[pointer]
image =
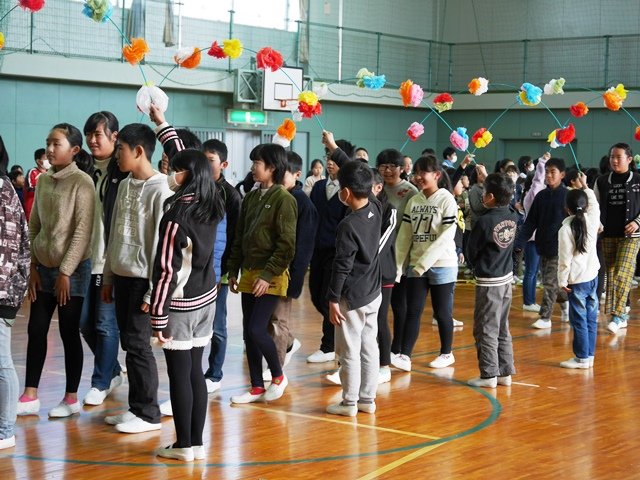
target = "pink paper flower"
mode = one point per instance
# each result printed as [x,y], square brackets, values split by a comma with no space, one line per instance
[415,130]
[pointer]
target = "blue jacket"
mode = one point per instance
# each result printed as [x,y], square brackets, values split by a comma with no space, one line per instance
[306,228]
[219,247]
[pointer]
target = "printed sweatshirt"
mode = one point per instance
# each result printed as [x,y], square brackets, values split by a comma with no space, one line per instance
[426,236]
[134,234]
[574,267]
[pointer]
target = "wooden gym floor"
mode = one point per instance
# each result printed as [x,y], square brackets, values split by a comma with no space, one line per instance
[551,423]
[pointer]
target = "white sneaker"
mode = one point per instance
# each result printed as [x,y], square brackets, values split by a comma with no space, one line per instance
[166,408]
[294,348]
[120,418]
[576,363]
[276,390]
[334,377]
[401,362]
[64,409]
[616,324]
[505,381]
[137,425]
[443,360]
[367,407]
[534,307]
[541,323]
[266,375]
[198,452]
[627,309]
[592,360]
[320,357]
[116,381]
[564,312]
[344,410]
[247,397]
[456,323]
[95,396]
[212,386]
[483,382]
[8,442]
[634,283]
[384,375]
[28,408]
[184,454]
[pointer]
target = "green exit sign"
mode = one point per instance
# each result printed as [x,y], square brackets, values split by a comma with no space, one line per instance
[247,117]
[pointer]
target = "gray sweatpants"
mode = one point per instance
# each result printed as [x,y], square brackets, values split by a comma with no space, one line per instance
[491,331]
[357,347]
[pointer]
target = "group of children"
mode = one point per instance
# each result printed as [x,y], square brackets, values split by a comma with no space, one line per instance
[128,253]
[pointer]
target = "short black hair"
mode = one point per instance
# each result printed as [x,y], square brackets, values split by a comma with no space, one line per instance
[346,146]
[447,152]
[428,151]
[390,156]
[14,174]
[216,146]
[556,162]
[39,153]
[272,155]
[139,134]
[523,161]
[84,161]
[571,175]
[363,149]
[294,162]
[500,186]
[511,168]
[357,177]
[16,168]
[103,118]
[189,139]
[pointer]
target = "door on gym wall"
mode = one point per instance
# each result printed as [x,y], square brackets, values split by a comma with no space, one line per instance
[239,143]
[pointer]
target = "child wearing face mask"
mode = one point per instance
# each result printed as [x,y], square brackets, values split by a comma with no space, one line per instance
[449,158]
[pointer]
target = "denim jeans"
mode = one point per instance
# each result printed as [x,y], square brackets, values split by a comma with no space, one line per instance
[99,329]
[583,315]
[531,267]
[8,383]
[219,337]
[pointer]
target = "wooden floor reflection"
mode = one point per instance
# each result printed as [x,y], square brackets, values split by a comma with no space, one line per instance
[551,423]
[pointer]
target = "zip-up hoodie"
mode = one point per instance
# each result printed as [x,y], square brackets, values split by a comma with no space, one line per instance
[426,236]
[133,235]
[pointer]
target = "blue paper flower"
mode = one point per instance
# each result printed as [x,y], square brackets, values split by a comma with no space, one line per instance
[98,10]
[529,95]
[375,82]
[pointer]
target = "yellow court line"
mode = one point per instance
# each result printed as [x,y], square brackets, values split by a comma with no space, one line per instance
[399,462]
[341,422]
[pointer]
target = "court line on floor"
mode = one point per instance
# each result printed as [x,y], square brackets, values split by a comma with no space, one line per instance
[399,462]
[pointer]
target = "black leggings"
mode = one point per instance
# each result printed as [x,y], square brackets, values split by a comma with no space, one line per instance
[399,309]
[442,303]
[69,325]
[256,314]
[384,335]
[188,393]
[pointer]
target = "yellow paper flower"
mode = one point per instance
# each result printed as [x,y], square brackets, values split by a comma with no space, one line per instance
[233,48]
[1,40]
[620,90]
[309,98]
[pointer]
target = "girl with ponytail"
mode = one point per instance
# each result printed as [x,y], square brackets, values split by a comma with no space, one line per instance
[578,271]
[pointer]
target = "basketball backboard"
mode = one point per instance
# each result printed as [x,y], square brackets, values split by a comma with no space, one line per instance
[280,89]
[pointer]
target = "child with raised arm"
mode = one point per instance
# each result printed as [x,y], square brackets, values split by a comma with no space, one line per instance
[490,249]
[354,292]
[578,267]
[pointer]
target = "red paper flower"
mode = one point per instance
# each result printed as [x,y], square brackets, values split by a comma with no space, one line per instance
[216,51]
[637,134]
[566,135]
[31,5]
[135,52]
[578,110]
[443,98]
[269,58]
[309,111]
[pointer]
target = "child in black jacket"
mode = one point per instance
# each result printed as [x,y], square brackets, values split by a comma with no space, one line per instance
[490,248]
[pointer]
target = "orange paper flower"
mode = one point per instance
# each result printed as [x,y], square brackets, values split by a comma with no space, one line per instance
[287,129]
[612,99]
[188,57]
[135,52]
[579,109]
[405,92]
[1,40]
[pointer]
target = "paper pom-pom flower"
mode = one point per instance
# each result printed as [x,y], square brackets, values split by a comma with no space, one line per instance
[614,97]
[482,138]
[216,51]
[579,109]
[269,58]
[530,95]
[308,97]
[459,138]
[149,94]
[552,139]
[375,82]
[566,135]
[188,57]
[31,5]
[443,102]
[415,130]
[232,48]
[478,86]
[135,52]
[309,111]
[405,92]
[415,95]
[362,73]
[320,89]
[98,10]
[554,87]
[1,40]
[285,133]
[637,134]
